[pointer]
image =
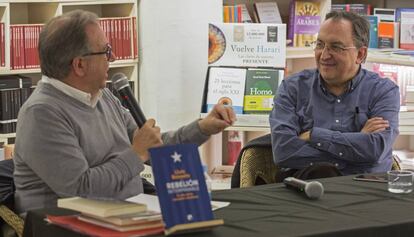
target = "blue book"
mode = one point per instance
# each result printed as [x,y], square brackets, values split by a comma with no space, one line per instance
[181,188]
[373,31]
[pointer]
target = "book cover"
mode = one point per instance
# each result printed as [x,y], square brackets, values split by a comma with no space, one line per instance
[261,87]
[101,208]
[398,12]
[267,12]
[386,34]
[407,30]
[385,14]
[304,23]
[247,45]
[226,86]
[245,16]
[72,223]
[181,188]
[373,31]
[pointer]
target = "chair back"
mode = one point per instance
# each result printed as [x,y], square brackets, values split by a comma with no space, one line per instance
[255,164]
[7,189]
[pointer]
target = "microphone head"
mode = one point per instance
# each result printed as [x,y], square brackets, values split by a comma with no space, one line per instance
[119,81]
[314,190]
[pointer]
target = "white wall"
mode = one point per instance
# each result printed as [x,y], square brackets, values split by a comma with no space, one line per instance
[173,42]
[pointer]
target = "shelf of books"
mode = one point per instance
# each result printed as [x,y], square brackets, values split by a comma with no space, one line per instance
[390,52]
[20,26]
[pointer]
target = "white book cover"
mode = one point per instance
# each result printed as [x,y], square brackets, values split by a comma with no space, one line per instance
[226,86]
[268,12]
[407,30]
[245,14]
[385,14]
[247,45]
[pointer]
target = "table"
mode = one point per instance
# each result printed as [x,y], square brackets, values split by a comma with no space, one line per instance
[348,208]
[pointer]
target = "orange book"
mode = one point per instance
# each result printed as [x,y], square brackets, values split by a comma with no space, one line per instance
[386,34]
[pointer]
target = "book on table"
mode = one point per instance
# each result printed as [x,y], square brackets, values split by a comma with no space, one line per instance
[142,225]
[129,219]
[181,189]
[101,208]
[73,223]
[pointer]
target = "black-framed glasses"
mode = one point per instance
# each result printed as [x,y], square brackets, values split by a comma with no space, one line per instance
[319,46]
[107,52]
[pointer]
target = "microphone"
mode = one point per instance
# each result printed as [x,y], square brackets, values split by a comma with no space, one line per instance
[313,189]
[121,84]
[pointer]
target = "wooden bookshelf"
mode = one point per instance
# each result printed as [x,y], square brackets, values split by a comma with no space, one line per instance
[40,11]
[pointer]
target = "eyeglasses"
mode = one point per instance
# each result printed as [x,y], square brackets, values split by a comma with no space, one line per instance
[107,52]
[319,46]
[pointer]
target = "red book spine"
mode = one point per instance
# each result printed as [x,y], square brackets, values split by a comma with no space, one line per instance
[135,36]
[3,55]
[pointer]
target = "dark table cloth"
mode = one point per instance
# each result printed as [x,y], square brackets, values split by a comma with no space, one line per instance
[348,208]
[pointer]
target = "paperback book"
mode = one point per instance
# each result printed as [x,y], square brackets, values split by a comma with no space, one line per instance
[226,86]
[261,87]
[181,189]
[304,23]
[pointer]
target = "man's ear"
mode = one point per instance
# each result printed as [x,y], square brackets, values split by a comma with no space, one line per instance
[362,55]
[78,66]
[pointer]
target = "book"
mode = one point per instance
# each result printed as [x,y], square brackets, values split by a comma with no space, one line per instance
[360,9]
[304,23]
[261,87]
[267,12]
[245,14]
[101,208]
[247,45]
[373,31]
[387,34]
[129,219]
[181,188]
[123,228]
[385,14]
[72,223]
[407,30]
[226,86]
[15,81]
[398,12]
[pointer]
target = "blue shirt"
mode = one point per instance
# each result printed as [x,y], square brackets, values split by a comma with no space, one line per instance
[303,103]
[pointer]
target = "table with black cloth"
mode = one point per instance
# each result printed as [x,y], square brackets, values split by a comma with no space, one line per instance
[348,208]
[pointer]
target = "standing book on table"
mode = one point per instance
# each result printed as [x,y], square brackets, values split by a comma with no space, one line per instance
[181,189]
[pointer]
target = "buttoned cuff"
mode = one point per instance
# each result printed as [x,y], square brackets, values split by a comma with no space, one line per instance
[320,138]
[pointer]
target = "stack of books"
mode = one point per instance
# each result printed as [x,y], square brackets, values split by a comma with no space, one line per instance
[108,218]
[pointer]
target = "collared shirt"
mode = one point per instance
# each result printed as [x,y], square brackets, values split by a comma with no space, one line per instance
[304,104]
[82,96]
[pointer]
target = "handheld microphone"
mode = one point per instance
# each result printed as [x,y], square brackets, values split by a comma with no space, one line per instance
[313,189]
[121,84]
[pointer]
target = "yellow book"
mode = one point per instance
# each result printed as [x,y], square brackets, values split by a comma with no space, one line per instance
[101,208]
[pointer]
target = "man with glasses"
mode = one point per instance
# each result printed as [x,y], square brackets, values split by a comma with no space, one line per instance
[338,118]
[73,136]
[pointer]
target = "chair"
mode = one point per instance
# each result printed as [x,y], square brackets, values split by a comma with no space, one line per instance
[255,164]
[7,198]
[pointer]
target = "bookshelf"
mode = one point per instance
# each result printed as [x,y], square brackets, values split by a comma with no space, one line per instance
[120,14]
[297,59]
